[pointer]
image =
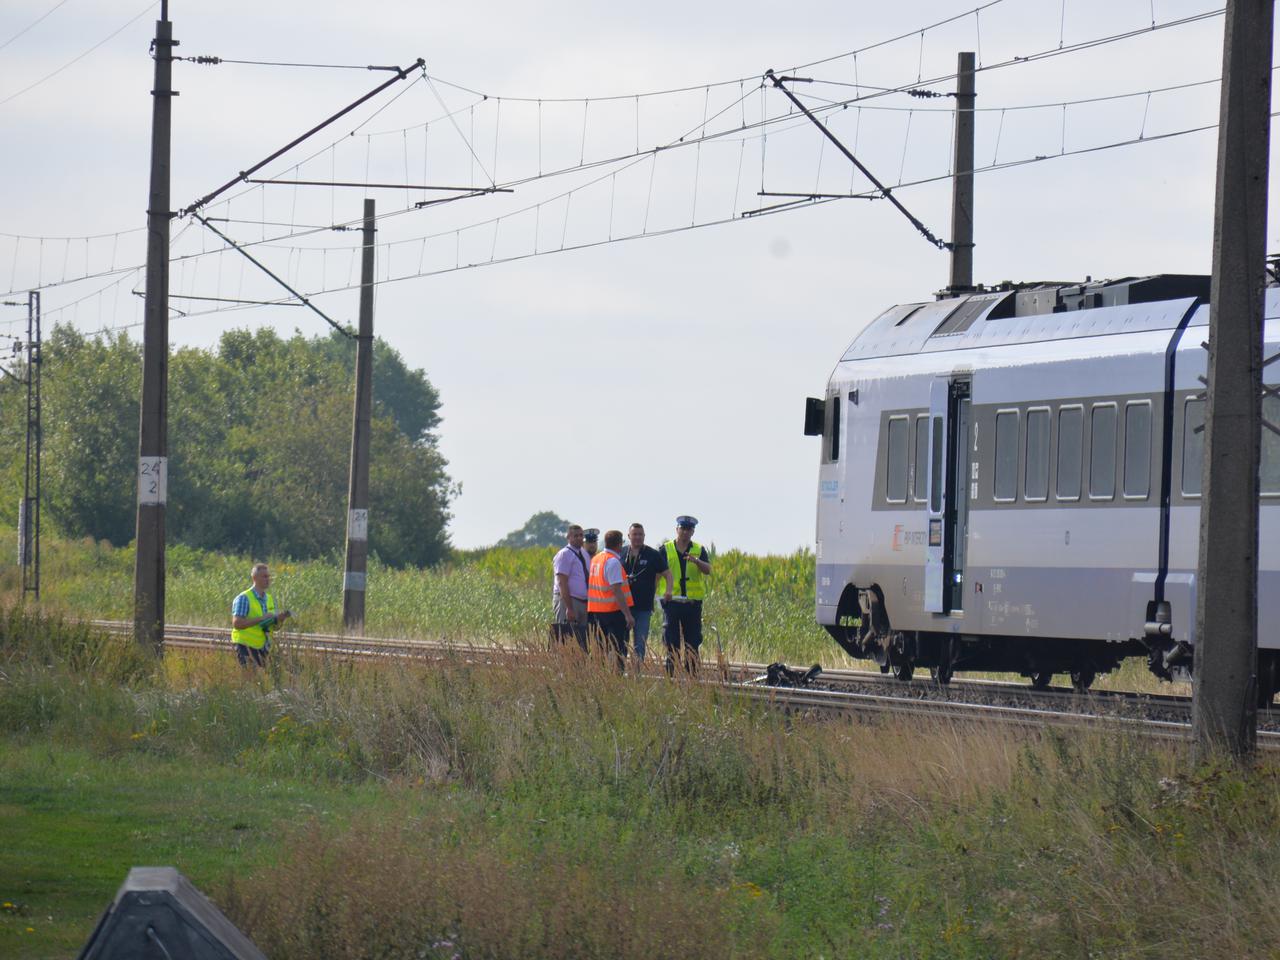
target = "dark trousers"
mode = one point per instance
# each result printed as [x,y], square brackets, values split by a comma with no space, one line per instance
[609,631]
[245,654]
[682,632]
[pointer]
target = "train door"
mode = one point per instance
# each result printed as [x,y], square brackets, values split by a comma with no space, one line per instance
[950,458]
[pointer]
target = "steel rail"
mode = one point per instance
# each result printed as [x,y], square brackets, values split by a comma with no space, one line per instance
[844,678]
[865,704]
[736,677]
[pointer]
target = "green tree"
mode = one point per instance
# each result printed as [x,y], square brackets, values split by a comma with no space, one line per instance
[405,394]
[90,389]
[544,529]
[259,446]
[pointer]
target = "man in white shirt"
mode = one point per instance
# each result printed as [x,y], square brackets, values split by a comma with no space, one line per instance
[569,588]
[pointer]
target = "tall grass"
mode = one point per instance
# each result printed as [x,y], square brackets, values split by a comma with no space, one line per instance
[761,608]
[558,810]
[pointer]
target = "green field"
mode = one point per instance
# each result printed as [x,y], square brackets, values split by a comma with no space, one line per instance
[445,811]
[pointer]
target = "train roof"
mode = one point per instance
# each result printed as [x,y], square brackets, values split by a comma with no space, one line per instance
[1026,313]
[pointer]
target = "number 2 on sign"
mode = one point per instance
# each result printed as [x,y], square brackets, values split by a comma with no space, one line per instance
[152,480]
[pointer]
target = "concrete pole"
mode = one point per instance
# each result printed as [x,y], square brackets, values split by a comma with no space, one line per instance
[353,580]
[962,181]
[1224,710]
[153,434]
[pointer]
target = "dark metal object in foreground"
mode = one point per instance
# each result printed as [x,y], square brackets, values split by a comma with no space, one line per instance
[158,915]
[780,675]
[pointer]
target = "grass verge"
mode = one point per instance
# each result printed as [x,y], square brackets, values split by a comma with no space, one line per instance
[561,811]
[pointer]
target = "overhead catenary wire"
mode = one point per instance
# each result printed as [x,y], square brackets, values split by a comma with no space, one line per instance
[296,295]
[782,208]
[762,124]
[1014,107]
[401,73]
[837,104]
[832,104]
[36,22]
[72,62]
[876,92]
[453,119]
[309,230]
[693,88]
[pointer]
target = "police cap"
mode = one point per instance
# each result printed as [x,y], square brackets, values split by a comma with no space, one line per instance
[686,521]
[591,533]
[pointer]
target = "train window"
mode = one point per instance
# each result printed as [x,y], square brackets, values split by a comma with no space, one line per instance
[1102,452]
[935,481]
[1070,450]
[1137,450]
[1269,467]
[1192,447]
[895,487]
[1036,479]
[834,419]
[920,476]
[1006,474]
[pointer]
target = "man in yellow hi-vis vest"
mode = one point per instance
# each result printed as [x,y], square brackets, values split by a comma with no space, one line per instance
[253,616]
[688,567]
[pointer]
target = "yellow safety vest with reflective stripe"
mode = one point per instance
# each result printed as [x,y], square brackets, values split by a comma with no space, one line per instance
[255,636]
[600,596]
[693,586]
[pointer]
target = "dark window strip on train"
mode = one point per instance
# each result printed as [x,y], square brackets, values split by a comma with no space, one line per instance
[1069,453]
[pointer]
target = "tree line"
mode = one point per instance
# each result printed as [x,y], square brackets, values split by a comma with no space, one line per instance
[259,446]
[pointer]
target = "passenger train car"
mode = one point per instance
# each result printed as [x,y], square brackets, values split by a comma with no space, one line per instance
[1011,481]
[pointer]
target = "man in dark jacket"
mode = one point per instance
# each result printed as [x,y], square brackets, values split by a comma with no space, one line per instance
[642,564]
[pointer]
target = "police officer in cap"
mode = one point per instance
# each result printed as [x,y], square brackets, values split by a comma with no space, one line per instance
[688,568]
[591,541]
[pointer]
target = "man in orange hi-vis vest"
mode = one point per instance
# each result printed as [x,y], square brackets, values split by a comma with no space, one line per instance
[609,598]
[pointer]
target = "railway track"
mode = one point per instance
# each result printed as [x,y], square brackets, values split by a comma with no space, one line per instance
[1175,706]
[836,691]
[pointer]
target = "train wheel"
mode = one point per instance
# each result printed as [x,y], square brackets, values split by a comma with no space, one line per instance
[1082,680]
[904,671]
[1041,679]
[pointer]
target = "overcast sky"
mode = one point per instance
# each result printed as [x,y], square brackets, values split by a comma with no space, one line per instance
[609,381]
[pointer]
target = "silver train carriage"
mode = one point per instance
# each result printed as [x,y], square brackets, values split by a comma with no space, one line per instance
[1010,481]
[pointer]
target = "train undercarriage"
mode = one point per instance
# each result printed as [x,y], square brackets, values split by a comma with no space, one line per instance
[863,631]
